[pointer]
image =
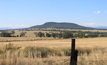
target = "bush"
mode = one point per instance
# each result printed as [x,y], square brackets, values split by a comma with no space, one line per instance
[67,52]
[84,51]
[67,34]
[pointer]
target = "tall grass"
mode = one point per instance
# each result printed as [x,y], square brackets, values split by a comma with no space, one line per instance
[11,55]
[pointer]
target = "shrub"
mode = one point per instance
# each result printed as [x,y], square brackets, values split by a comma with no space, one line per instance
[67,52]
[84,51]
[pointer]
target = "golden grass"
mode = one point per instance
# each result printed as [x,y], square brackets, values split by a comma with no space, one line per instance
[98,56]
[55,43]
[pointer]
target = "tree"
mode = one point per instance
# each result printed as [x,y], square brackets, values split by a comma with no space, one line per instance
[48,35]
[13,32]
[60,35]
[5,34]
[103,35]
[81,34]
[54,35]
[40,34]
[22,34]
[93,35]
[67,34]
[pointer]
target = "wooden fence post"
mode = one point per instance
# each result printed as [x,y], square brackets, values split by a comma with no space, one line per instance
[74,54]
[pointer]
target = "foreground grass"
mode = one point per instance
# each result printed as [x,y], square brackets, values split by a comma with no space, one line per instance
[11,55]
[92,51]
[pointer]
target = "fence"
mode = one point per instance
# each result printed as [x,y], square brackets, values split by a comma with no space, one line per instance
[74,54]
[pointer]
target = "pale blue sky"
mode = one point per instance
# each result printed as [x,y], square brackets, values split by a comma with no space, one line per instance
[25,13]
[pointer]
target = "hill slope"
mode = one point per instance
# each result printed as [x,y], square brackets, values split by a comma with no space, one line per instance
[61,26]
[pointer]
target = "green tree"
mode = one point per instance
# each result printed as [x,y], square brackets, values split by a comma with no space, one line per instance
[48,35]
[67,34]
[5,34]
[81,34]
[40,34]
[13,32]
[22,34]
[103,35]
[60,35]
[54,35]
[93,35]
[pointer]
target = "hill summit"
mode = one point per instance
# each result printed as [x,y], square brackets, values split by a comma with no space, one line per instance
[63,25]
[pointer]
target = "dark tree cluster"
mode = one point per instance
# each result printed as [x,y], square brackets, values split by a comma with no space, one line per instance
[54,35]
[39,34]
[5,34]
[70,34]
[22,34]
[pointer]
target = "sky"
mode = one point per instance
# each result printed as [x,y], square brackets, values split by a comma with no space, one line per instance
[26,13]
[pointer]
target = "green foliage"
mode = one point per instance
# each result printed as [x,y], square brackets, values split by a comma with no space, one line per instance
[81,34]
[71,34]
[93,35]
[67,34]
[39,34]
[54,35]
[48,35]
[5,34]
[12,32]
[22,34]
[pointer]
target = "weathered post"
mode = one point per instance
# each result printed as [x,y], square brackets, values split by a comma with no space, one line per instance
[74,54]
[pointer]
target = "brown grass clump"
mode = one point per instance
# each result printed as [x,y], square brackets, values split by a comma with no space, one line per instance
[95,58]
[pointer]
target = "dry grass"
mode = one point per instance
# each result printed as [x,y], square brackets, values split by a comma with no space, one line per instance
[97,56]
[55,43]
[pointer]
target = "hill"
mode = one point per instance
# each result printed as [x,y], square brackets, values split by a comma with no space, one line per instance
[61,26]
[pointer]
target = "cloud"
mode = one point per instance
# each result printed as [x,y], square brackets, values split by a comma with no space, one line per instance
[89,24]
[96,12]
[105,11]
[15,26]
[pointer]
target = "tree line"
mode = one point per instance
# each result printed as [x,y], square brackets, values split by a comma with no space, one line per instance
[61,34]
[71,34]
[10,34]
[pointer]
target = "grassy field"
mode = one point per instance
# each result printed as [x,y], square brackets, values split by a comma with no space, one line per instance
[31,33]
[54,43]
[92,51]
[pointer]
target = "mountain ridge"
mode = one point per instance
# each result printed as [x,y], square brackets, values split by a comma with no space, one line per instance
[62,25]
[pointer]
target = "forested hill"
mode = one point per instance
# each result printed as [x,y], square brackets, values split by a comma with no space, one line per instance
[61,26]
